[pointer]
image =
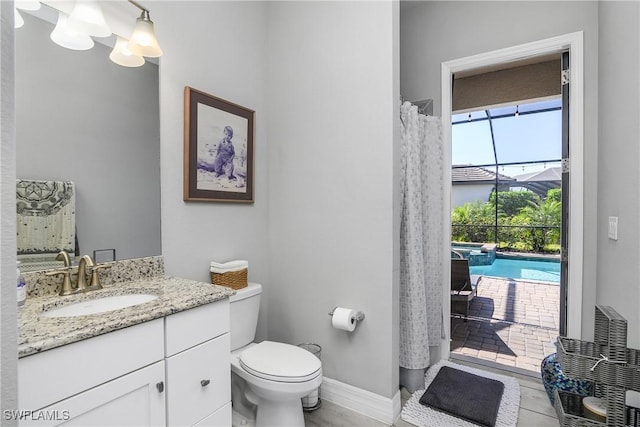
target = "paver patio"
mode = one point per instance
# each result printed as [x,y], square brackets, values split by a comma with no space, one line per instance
[512,323]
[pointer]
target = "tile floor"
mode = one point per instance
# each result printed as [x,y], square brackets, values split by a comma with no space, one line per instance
[511,323]
[512,326]
[535,409]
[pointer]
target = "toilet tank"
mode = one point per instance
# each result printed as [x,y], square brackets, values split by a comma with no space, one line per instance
[244,308]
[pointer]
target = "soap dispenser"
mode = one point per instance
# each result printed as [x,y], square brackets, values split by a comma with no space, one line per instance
[21,285]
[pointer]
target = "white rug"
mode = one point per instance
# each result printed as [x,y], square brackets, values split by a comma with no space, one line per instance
[423,416]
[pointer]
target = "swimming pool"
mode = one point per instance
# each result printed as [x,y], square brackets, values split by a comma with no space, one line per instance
[523,269]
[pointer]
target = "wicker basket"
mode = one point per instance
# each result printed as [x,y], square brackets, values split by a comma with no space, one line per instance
[613,376]
[230,279]
[578,357]
[570,412]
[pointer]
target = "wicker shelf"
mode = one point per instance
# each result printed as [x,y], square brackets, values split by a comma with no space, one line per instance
[607,362]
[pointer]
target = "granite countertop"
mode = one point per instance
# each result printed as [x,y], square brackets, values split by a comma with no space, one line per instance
[38,333]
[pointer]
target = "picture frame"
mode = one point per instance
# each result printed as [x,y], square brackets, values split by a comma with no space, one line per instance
[218,149]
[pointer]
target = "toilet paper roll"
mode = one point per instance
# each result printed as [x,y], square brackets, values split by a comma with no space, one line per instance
[344,318]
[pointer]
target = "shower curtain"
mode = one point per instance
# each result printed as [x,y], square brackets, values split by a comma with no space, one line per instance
[421,237]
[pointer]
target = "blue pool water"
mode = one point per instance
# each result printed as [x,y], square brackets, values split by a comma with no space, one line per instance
[523,269]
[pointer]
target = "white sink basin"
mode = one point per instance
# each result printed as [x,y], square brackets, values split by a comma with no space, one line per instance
[99,305]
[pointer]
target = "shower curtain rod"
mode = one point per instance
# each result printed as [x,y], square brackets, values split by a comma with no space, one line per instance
[424,107]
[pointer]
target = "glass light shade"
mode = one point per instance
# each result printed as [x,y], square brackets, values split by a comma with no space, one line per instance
[17,19]
[121,54]
[143,41]
[65,36]
[87,18]
[27,4]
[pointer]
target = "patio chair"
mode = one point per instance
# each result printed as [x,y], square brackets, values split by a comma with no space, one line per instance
[456,255]
[463,289]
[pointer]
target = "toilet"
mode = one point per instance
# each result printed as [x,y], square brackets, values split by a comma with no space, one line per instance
[268,379]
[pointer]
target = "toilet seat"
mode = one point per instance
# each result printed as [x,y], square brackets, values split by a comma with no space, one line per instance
[280,362]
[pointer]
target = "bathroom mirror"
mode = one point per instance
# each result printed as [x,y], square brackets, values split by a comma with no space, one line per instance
[82,118]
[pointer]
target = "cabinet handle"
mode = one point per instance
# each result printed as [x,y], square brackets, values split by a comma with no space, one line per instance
[204,383]
[160,386]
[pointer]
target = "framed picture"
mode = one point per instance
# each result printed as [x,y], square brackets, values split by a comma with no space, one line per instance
[218,149]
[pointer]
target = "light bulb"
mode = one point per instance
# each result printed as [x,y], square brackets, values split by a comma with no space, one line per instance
[17,19]
[143,41]
[65,36]
[121,54]
[87,18]
[27,4]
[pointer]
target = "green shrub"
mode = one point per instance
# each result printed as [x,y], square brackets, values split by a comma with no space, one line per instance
[526,222]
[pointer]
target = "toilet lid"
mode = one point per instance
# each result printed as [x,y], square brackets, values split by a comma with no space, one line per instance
[277,361]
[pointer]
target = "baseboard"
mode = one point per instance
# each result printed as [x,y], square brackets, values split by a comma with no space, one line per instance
[358,400]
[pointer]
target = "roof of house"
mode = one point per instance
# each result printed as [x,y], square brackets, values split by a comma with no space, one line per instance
[550,174]
[541,181]
[462,174]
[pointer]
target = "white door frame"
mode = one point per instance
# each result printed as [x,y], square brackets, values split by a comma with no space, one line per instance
[574,43]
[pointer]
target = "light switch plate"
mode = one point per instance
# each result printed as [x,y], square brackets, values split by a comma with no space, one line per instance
[613,227]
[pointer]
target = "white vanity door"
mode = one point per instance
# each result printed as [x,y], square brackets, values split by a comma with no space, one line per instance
[136,399]
[221,418]
[198,382]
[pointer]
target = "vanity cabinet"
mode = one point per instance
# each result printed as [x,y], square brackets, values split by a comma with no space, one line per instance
[47,379]
[131,400]
[168,371]
[197,366]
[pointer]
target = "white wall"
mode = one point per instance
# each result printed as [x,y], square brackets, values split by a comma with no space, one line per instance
[618,175]
[218,48]
[461,194]
[332,126]
[433,32]
[8,327]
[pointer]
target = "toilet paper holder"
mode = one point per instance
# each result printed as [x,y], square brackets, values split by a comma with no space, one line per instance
[359,314]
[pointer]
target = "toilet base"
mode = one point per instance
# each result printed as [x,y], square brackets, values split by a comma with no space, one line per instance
[286,413]
[239,420]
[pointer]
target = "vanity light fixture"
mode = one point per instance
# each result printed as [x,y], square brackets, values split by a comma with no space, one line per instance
[121,54]
[17,19]
[65,36]
[27,4]
[23,5]
[143,41]
[87,18]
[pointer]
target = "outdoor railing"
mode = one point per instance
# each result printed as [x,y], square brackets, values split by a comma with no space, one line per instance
[530,237]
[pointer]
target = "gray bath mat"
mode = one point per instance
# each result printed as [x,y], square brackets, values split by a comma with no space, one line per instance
[425,416]
[465,395]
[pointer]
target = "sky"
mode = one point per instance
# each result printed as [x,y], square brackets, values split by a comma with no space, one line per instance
[526,137]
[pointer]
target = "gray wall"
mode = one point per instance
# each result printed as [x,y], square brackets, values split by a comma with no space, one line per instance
[618,156]
[82,118]
[8,323]
[320,232]
[221,51]
[333,117]
[433,32]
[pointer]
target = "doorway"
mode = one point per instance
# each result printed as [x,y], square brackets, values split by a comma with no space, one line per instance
[572,44]
[506,230]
